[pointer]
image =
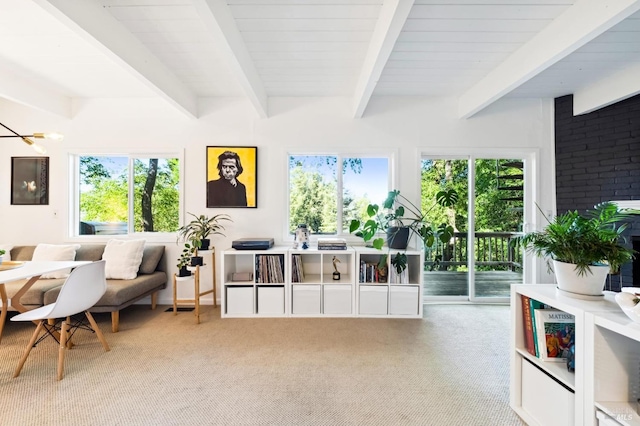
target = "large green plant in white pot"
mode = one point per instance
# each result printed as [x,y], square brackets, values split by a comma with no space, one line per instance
[583,248]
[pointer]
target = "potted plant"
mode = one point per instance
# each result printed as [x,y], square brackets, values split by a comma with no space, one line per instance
[582,248]
[400,220]
[184,260]
[196,232]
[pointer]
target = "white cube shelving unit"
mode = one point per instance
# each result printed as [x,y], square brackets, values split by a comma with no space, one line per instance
[605,386]
[398,296]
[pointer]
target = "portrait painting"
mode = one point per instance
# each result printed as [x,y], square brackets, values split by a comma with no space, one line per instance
[232,176]
[30,180]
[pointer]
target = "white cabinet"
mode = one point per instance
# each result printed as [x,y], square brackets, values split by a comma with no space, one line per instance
[316,290]
[607,362]
[287,282]
[254,282]
[381,291]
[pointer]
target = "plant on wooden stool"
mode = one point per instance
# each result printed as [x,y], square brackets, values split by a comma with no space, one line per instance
[185,260]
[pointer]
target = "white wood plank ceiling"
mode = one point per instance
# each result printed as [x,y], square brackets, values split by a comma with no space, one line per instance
[477,51]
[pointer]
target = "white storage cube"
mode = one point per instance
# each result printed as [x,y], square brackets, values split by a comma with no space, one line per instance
[373,300]
[544,399]
[270,299]
[306,299]
[337,299]
[403,300]
[239,300]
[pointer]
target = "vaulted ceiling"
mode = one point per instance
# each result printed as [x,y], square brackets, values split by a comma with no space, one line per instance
[478,51]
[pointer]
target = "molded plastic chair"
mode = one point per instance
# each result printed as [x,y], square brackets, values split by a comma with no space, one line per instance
[82,289]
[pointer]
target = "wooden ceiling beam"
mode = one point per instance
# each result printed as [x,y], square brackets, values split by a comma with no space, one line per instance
[97,26]
[222,26]
[575,27]
[393,15]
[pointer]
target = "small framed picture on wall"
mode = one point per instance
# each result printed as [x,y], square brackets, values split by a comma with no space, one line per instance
[232,176]
[30,180]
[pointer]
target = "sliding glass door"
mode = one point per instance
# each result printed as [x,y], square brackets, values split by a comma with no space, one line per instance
[481,261]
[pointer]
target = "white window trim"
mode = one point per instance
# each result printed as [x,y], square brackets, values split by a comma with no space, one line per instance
[74,190]
[391,155]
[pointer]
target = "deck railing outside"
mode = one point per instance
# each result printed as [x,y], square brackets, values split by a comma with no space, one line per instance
[493,251]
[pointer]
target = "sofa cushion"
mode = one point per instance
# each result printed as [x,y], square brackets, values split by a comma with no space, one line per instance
[35,295]
[90,252]
[22,253]
[56,252]
[150,259]
[123,258]
[120,291]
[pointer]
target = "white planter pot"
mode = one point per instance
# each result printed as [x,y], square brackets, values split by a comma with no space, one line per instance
[590,284]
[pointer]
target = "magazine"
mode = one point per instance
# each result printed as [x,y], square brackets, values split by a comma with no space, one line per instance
[555,333]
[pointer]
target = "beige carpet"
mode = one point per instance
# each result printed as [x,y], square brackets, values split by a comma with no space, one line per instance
[450,368]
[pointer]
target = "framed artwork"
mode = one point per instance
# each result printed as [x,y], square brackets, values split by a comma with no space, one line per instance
[232,176]
[30,180]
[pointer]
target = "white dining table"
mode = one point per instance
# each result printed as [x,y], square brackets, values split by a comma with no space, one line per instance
[30,271]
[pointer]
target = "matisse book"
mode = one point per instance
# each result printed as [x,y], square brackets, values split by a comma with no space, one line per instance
[555,333]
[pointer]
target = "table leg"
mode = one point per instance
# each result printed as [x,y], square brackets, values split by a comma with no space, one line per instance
[197,294]
[213,261]
[5,307]
[15,301]
[175,294]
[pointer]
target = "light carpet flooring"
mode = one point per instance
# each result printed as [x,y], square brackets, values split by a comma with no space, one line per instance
[449,368]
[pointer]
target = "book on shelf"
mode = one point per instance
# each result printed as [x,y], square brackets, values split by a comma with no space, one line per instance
[533,305]
[332,244]
[297,271]
[527,320]
[270,268]
[556,330]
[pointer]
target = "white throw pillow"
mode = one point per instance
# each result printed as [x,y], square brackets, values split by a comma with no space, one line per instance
[47,252]
[123,258]
[7,252]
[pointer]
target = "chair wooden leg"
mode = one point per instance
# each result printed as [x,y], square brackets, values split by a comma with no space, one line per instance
[34,337]
[115,321]
[64,331]
[97,330]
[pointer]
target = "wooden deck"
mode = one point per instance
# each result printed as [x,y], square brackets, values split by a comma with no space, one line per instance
[488,283]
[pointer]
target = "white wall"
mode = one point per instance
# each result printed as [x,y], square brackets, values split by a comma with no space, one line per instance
[407,126]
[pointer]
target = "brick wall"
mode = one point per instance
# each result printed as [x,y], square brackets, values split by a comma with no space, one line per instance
[598,159]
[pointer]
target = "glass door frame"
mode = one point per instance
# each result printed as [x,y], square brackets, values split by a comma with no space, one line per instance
[531,183]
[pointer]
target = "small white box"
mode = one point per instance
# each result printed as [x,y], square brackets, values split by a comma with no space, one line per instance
[270,299]
[306,299]
[239,300]
[337,299]
[403,300]
[373,300]
[547,401]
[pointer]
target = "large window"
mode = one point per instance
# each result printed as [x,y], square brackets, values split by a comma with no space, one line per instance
[327,191]
[120,194]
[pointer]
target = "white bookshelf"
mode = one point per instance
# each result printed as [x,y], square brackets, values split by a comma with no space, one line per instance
[315,292]
[607,363]
[401,298]
[249,298]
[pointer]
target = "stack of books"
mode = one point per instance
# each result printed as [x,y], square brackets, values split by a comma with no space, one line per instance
[332,244]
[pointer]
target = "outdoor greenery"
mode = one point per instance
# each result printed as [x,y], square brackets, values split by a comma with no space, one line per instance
[594,238]
[399,211]
[105,193]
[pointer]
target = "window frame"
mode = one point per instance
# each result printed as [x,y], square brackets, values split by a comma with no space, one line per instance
[131,155]
[390,155]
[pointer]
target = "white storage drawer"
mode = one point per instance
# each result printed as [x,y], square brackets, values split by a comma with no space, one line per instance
[373,300]
[270,299]
[306,299]
[239,300]
[544,399]
[403,300]
[337,299]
